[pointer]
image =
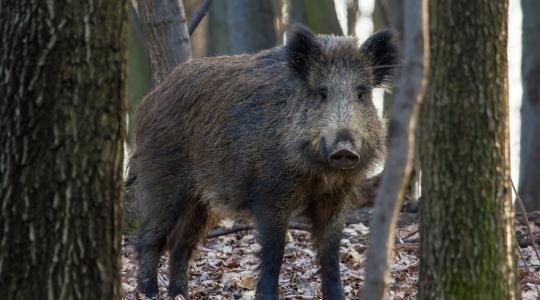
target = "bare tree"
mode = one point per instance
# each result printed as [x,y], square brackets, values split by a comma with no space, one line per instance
[529,177]
[466,213]
[62,116]
[165,28]
[402,142]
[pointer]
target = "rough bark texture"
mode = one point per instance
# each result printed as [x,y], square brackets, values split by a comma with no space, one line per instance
[466,212]
[399,163]
[529,177]
[319,15]
[62,120]
[241,26]
[165,28]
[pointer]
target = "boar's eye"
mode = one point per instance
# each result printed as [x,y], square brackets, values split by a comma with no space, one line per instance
[361,92]
[323,93]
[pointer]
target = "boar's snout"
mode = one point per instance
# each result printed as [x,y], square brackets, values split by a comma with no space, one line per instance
[343,157]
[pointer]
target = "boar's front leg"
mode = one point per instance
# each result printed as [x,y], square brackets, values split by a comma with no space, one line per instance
[328,222]
[271,224]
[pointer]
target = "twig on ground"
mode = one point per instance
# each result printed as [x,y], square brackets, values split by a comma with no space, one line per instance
[244,227]
[524,212]
[198,16]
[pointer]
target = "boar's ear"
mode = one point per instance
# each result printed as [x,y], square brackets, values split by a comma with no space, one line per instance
[383,52]
[301,47]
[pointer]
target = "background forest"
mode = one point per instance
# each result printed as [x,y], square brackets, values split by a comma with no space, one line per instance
[441,219]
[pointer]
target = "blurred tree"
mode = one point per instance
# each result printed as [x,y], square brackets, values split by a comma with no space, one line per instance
[139,79]
[218,29]
[199,38]
[353,11]
[467,218]
[320,15]
[529,177]
[389,14]
[62,116]
[241,26]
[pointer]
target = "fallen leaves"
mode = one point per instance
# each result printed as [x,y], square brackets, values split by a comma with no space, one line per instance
[225,267]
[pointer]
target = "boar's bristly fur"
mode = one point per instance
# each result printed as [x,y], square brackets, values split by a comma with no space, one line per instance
[287,131]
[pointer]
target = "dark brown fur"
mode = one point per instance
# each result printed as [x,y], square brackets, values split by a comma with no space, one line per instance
[250,135]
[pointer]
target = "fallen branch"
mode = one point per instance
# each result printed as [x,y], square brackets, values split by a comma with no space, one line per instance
[198,16]
[361,215]
[245,227]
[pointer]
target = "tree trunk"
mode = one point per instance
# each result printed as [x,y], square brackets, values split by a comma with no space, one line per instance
[218,29]
[251,25]
[319,15]
[165,28]
[389,14]
[466,212]
[399,164]
[139,78]
[62,119]
[353,11]
[241,26]
[529,175]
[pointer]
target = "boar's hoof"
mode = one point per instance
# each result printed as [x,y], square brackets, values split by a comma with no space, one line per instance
[149,287]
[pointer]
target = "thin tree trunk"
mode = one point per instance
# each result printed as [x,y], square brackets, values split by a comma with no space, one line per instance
[62,116]
[466,213]
[139,78]
[399,164]
[218,29]
[353,11]
[389,14]
[251,25]
[165,28]
[529,177]
[318,15]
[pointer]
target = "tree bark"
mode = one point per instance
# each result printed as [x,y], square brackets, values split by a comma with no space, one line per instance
[320,16]
[399,164]
[165,28]
[529,175]
[62,116]
[467,233]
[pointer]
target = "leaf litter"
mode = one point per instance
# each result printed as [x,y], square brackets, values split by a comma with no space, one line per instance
[225,267]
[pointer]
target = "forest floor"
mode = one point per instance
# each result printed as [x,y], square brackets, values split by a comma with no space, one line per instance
[225,267]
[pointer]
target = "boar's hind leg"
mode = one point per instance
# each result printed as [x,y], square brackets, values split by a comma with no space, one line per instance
[327,220]
[188,232]
[271,224]
[151,237]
